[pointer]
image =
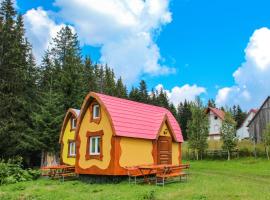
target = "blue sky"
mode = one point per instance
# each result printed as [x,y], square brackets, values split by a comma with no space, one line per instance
[211,48]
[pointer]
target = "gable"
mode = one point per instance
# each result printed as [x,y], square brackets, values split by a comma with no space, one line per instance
[70,113]
[265,105]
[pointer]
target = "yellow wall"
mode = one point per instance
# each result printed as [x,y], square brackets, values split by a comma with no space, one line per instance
[68,135]
[175,153]
[135,152]
[106,139]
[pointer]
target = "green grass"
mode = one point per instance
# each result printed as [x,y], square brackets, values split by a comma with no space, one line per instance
[236,179]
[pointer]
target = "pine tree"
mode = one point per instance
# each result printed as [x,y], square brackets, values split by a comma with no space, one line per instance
[184,116]
[89,78]
[121,90]
[17,87]
[66,55]
[211,103]
[134,94]
[162,99]
[240,116]
[109,82]
[143,92]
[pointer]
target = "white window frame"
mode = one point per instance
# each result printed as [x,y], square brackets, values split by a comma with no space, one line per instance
[94,139]
[73,123]
[95,107]
[71,144]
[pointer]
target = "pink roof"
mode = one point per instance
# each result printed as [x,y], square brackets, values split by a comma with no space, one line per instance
[218,112]
[138,120]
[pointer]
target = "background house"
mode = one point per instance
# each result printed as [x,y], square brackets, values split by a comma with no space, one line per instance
[259,121]
[216,117]
[242,132]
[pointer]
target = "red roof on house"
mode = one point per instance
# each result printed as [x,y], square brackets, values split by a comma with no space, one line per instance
[138,120]
[253,110]
[216,111]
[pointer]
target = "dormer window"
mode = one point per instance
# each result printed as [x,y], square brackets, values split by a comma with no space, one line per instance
[96,111]
[73,123]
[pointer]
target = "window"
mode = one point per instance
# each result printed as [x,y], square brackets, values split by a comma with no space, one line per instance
[73,123]
[96,113]
[216,117]
[94,147]
[71,148]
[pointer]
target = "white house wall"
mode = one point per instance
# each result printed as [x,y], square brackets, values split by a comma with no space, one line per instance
[242,132]
[215,124]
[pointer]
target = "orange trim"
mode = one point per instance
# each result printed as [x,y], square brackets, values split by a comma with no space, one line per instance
[166,120]
[71,118]
[180,153]
[96,120]
[68,155]
[154,152]
[69,113]
[114,167]
[88,156]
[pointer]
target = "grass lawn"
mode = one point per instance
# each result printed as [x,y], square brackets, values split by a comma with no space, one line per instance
[218,180]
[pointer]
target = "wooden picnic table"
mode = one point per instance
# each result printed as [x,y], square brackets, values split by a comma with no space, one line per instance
[147,170]
[57,170]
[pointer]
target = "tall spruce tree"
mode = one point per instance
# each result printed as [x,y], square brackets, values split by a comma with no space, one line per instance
[17,87]
[143,92]
[184,116]
[121,89]
[89,78]
[109,82]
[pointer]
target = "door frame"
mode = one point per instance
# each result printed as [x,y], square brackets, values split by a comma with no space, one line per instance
[170,148]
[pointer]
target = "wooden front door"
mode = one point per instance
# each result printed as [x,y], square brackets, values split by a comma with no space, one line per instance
[164,149]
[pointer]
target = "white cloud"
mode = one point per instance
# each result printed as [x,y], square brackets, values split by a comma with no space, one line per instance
[40,29]
[179,94]
[252,82]
[124,29]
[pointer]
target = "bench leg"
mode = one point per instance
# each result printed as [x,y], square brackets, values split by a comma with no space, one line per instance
[163,181]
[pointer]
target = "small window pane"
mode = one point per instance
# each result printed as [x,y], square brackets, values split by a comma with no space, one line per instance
[72,148]
[96,111]
[93,145]
[98,145]
[73,123]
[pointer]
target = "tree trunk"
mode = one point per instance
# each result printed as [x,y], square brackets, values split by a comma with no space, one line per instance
[267,152]
[197,155]
[229,155]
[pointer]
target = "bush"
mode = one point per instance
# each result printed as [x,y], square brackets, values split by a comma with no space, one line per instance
[11,171]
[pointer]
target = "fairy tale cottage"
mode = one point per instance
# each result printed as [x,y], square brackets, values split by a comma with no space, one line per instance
[67,137]
[114,133]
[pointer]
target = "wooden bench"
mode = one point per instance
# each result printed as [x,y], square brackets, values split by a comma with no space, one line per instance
[133,172]
[170,172]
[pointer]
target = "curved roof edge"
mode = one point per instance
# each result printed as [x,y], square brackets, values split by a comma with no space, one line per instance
[71,111]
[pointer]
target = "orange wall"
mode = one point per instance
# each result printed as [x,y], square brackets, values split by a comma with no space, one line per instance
[87,126]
